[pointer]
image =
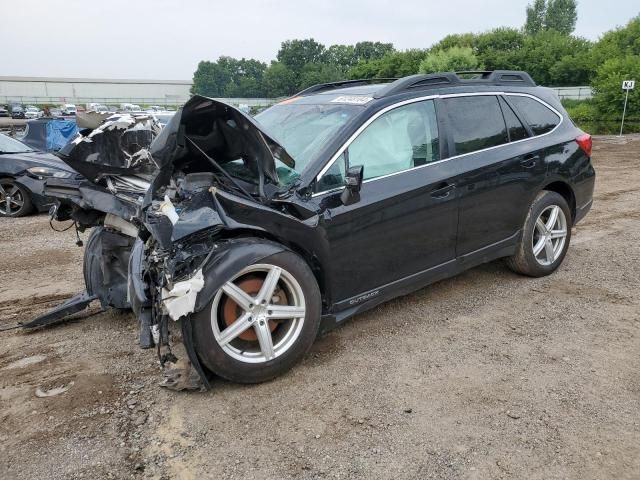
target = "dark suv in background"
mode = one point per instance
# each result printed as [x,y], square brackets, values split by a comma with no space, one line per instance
[257,232]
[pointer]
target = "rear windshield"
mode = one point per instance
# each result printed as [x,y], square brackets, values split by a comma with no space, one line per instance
[304,129]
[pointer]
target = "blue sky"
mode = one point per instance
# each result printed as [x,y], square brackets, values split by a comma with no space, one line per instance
[165,39]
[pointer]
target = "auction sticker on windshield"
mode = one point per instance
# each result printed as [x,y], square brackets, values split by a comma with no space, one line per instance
[353,99]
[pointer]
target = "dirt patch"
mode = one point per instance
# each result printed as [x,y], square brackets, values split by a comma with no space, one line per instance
[486,375]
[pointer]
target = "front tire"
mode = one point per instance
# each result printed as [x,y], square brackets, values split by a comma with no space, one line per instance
[261,322]
[15,200]
[545,236]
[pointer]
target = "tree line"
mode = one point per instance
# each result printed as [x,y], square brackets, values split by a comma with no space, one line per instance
[545,47]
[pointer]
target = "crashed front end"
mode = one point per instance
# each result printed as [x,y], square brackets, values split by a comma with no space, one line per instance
[165,217]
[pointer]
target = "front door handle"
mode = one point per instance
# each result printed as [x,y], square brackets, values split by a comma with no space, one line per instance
[530,160]
[443,190]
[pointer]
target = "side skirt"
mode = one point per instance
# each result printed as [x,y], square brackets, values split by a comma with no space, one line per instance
[372,298]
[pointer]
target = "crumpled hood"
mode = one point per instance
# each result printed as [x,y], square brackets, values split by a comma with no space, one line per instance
[223,132]
[118,146]
[126,144]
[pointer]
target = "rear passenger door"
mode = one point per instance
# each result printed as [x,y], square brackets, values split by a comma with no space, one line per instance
[485,138]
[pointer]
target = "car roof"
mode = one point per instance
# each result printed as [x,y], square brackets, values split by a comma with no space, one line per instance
[413,85]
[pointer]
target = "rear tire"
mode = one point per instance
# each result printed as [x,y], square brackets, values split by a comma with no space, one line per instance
[15,200]
[246,340]
[545,236]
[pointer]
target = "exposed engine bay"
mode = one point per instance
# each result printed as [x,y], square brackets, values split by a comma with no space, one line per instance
[167,218]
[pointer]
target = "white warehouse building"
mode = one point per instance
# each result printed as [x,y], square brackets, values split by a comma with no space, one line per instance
[52,90]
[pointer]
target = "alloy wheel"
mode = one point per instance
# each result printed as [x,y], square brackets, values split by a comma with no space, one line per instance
[11,198]
[549,235]
[258,315]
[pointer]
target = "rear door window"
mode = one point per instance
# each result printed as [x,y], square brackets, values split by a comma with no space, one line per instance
[475,123]
[514,125]
[540,118]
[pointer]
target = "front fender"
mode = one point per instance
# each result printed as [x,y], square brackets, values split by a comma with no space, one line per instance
[229,257]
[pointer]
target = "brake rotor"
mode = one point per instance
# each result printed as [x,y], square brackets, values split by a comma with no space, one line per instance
[231,310]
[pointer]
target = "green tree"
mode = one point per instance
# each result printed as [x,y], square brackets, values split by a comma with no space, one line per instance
[561,16]
[314,73]
[391,65]
[450,60]
[607,85]
[558,15]
[295,54]
[500,49]
[229,77]
[619,42]
[455,40]
[535,17]
[364,51]
[541,53]
[210,79]
[279,80]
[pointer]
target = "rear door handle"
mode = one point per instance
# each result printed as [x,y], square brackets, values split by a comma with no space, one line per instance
[530,161]
[443,190]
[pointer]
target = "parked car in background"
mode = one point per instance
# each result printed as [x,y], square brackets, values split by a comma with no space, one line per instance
[130,108]
[17,112]
[23,171]
[69,109]
[4,111]
[55,112]
[33,112]
[154,108]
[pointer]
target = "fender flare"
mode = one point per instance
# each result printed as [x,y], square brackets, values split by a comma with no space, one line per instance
[227,259]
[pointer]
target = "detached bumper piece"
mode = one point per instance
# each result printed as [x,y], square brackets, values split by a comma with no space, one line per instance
[61,313]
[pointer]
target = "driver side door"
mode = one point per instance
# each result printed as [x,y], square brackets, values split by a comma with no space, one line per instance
[403,228]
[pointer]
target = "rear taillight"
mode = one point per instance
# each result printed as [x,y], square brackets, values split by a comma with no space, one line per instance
[585,143]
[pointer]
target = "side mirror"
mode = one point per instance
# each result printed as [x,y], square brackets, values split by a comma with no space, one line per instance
[353,184]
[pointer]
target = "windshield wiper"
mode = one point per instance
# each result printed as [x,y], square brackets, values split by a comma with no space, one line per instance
[222,170]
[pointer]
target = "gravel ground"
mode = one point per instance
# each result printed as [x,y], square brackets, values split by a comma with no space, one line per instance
[486,375]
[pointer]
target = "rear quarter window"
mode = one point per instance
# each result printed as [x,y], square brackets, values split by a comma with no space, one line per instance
[540,118]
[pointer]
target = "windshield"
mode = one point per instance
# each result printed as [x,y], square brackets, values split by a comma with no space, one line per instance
[303,130]
[9,145]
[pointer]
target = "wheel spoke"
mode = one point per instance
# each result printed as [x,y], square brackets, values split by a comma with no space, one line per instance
[540,226]
[285,312]
[235,329]
[2,191]
[558,233]
[13,191]
[238,295]
[553,217]
[264,338]
[548,249]
[17,202]
[269,285]
[537,248]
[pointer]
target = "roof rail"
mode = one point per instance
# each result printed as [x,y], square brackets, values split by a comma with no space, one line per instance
[441,79]
[321,87]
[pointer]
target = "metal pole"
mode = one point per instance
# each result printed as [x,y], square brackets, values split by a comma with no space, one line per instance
[624,110]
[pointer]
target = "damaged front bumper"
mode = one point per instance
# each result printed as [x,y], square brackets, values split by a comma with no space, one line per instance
[167,228]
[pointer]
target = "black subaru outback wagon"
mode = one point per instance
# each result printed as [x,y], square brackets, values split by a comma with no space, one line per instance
[258,233]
